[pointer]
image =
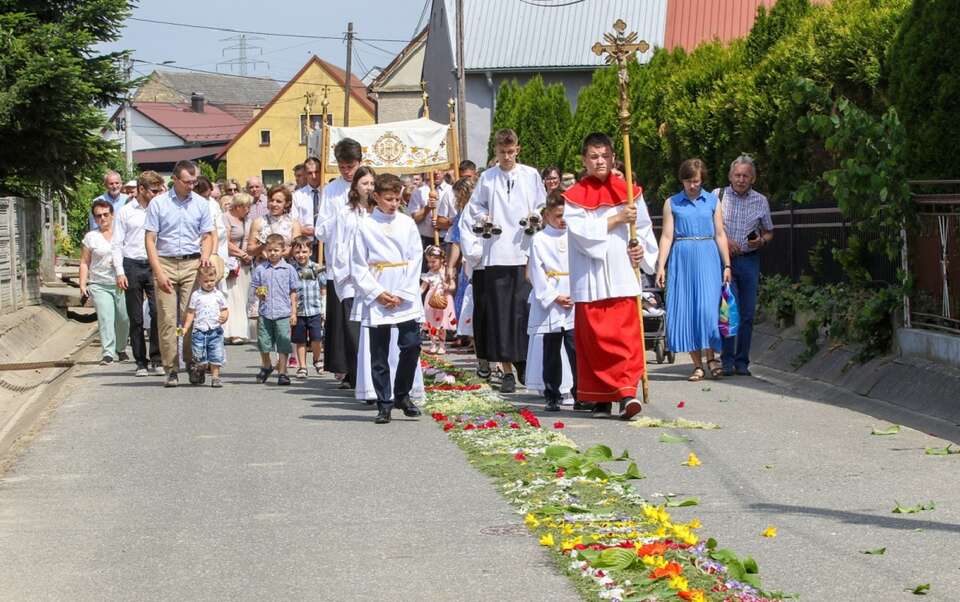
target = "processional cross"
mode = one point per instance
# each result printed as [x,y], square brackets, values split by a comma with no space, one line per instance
[621,48]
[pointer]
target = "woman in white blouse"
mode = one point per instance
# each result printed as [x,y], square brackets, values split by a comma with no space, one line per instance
[98,280]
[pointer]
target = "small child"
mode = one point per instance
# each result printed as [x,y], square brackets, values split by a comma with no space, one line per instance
[440,313]
[206,312]
[309,325]
[551,307]
[275,283]
[385,265]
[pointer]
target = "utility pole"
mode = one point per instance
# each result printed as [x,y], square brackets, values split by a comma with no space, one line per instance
[127,116]
[347,84]
[461,96]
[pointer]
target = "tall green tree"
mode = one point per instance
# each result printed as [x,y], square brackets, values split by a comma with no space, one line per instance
[54,85]
[925,86]
[541,117]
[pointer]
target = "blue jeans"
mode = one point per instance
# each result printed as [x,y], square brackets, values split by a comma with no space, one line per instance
[745,282]
[207,346]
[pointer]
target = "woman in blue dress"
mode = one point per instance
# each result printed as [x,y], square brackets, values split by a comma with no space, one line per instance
[694,243]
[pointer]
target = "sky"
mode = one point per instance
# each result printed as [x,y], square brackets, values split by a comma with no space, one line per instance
[378,20]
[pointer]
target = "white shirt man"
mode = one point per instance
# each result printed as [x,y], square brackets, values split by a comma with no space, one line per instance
[419,207]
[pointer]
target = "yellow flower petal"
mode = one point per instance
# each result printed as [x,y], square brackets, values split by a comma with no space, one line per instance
[770,532]
[692,460]
[531,521]
[678,583]
[547,540]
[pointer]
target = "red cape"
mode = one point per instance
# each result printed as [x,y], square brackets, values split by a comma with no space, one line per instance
[590,193]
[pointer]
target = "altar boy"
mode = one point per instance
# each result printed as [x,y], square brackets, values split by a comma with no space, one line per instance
[385,265]
[603,283]
[551,308]
[505,198]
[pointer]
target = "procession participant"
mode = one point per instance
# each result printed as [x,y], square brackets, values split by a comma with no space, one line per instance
[275,283]
[278,220]
[603,284]
[506,196]
[300,175]
[422,203]
[179,239]
[385,266]
[98,268]
[345,229]
[255,189]
[130,188]
[468,169]
[337,358]
[113,195]
[205,188]
[551,324]
[551,178]
[306,199]
[749,228]
[309,327]
[134,276]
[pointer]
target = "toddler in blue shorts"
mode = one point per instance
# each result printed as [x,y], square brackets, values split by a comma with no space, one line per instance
[310,298]
[206,312]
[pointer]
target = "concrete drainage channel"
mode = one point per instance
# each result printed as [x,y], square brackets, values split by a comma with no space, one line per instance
[29,380]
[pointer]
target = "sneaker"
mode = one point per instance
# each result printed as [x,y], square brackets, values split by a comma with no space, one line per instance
[508,384]
[141,371]
[216,383]
[106,360]
[630,408]
[172,380]
[601,410]
[122,356]
[283,380]
[292,362]
[302,374]
[157,370]
[198,374]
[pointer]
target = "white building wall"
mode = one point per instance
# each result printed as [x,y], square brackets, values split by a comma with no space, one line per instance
[146,134]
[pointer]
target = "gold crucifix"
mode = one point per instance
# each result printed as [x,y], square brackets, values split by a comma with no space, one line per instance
[426,99]
[620,49]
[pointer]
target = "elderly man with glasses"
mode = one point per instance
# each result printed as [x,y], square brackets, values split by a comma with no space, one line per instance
[179,240]
[134,276]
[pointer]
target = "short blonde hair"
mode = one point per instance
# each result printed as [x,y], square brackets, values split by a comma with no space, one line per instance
[241,199]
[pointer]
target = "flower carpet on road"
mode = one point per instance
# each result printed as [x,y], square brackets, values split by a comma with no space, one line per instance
[603,533]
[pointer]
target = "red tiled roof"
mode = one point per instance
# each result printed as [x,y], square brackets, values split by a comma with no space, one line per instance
[213,125]
[693,22]
[172,155]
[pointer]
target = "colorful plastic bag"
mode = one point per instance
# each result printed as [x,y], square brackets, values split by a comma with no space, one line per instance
[729,313]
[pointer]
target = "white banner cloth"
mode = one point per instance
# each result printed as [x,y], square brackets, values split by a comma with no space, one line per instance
[398,147]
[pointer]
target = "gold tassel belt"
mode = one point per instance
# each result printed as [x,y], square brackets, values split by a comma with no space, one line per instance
[556,274]
[379,267]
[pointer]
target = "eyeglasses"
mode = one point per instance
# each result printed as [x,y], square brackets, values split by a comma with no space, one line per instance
[101,215]
[155,190]
[234,190]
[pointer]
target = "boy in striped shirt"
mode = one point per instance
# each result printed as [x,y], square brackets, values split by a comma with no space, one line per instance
[310,302]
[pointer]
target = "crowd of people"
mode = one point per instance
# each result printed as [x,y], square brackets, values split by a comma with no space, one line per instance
[535,271]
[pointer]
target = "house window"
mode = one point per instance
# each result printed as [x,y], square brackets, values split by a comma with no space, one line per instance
[315,121]
[271,177]
[264,137]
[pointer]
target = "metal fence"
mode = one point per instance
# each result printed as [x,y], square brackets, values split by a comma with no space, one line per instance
[932,256]
[20,253]
[803,243]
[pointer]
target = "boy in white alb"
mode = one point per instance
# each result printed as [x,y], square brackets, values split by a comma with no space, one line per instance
[385,268]
[603,283]
[551,308]
[505,198]
[207,312]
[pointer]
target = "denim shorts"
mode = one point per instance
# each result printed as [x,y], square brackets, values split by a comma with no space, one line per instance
[307,329]
[207,346]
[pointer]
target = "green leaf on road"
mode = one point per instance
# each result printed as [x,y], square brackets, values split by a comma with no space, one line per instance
[899,509]
[892,430]
[677,423]
[555,452]
[949,450]
[691,501]
[706,389]
[768,466]
[921,590]
[875,552]
[668,438]
[633,472]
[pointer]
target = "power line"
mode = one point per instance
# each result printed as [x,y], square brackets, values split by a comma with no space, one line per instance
[260,33]
[255,77]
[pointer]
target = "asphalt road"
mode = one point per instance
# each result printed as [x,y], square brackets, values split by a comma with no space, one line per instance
[253,492]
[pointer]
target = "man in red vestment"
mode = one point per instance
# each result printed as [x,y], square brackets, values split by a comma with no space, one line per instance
[604,286]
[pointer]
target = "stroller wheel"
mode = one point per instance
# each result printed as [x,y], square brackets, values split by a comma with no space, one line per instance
[660,351]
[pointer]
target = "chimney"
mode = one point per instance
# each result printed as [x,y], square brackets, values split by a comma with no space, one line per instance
[196,102]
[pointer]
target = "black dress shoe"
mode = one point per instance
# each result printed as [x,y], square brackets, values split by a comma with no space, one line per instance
[602,410]
[412,411]
[508,384]
[577,405]
[552,406]
[383,417]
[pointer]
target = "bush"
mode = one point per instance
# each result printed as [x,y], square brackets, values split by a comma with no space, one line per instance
[539,114]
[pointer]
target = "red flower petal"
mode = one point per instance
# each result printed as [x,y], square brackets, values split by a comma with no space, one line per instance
[514,425]
[558,425]
[448,426]
[681,404]
[519,457]
[560,473]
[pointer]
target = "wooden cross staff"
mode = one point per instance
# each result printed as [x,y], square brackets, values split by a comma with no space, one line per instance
[621,48]
[433,212]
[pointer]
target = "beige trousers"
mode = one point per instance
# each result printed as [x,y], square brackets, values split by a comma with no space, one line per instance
[182,274]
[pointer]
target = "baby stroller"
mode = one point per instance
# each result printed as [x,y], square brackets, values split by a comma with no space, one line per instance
[655,320]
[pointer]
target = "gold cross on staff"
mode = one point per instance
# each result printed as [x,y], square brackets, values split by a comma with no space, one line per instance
[621,48]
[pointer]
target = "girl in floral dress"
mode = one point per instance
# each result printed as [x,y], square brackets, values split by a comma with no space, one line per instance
[438,307]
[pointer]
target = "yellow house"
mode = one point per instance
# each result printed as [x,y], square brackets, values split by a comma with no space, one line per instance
[276,138]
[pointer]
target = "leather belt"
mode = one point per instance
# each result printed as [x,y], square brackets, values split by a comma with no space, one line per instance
[181,257]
